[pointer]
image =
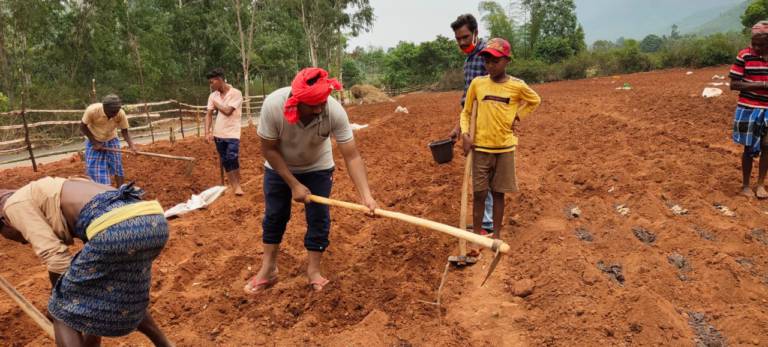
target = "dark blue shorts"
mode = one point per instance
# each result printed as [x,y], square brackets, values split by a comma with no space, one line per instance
[278,210]
[229,152]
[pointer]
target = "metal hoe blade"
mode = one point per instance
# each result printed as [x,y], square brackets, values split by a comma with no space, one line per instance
[495,261]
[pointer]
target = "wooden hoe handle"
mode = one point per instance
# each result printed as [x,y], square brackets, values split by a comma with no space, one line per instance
[499,245]
[28,308]
[150,154]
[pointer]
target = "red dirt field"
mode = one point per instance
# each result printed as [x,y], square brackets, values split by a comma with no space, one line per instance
[589,146]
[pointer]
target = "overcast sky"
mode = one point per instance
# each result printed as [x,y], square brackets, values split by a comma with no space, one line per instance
[422,20]
[412,20]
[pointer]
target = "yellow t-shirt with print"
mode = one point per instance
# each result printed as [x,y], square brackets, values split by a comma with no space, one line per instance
[498,105]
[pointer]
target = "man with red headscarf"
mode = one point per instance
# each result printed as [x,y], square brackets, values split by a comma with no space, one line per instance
[295,127]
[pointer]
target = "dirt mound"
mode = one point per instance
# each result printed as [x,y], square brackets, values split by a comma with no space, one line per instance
[598,279]
[367,94]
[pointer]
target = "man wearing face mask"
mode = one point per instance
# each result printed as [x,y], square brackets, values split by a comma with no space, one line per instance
[465,31]
[99,125]
[295,128]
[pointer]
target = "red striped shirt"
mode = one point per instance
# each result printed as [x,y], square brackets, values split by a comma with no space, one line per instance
[750,67]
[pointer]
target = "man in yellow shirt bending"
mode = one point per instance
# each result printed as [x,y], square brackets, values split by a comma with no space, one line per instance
[502,102]
[99,124]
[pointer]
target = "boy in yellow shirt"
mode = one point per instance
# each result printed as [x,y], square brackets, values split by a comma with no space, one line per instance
[502,102]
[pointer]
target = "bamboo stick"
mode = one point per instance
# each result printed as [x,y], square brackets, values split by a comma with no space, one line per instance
[197,120]
[150,154]
[28,308]
[466,183]
[26,134]
[502,246]
[181,119]
[149,122]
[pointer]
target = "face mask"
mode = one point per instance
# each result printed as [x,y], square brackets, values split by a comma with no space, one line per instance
[471,47]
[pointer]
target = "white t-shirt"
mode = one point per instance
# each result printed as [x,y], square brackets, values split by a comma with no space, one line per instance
[227,127]
[304,148]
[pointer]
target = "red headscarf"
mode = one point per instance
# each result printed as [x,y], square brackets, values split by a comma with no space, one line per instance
[314,94]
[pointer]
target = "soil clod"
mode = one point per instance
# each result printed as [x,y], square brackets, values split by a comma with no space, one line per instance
[613,271]
[644,235]
[583,234]
[705,335]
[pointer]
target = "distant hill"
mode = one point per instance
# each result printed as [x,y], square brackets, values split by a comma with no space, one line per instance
[728,20]
[609,20]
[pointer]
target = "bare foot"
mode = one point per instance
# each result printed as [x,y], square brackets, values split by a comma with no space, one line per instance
[746,191]
[761,192]
[239,191]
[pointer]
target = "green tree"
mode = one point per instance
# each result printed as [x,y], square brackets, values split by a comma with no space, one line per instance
[554,49]
[498,22]
[756,11]
[675,34]
[651,44]
[602,45]
[352,73]
[553,19]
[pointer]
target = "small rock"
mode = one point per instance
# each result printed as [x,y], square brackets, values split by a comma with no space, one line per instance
[724,210]
[678,211]
[574,212]
[523,288]
[636,328]
[623,210]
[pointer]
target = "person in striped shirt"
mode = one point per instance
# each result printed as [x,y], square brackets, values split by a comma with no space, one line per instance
[749,76]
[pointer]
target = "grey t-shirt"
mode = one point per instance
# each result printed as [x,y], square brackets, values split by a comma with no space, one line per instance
[304,148]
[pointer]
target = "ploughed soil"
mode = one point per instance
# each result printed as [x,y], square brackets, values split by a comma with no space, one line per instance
[620,231]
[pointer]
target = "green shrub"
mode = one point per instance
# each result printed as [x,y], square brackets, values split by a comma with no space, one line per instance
[4,103]
[576,67]
[531,71]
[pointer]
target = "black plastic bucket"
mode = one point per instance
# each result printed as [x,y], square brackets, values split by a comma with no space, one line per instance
[442,150]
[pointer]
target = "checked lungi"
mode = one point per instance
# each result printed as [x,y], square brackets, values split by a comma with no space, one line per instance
[749,127]
[100,166]
[105,291]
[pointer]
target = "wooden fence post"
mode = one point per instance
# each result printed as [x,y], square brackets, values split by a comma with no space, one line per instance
[26,133]
[149,122]
[93,90]
[171,135]
[181,118]
[197,120]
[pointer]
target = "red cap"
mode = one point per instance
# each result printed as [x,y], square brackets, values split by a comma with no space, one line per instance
[498,48]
